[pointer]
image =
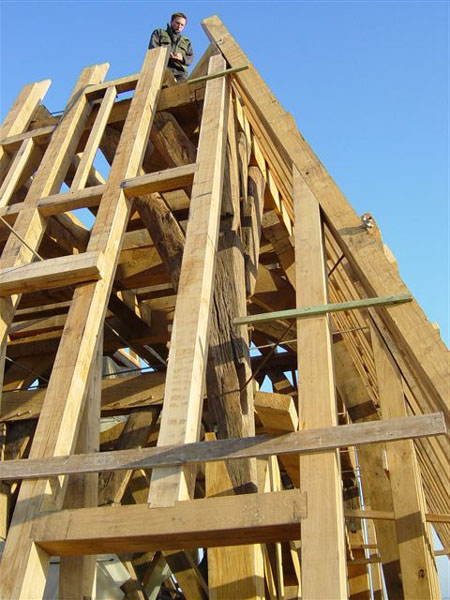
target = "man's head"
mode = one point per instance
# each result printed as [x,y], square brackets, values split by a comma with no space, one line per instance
[178,22]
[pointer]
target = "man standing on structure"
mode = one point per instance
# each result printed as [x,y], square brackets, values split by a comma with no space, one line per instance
[181,55]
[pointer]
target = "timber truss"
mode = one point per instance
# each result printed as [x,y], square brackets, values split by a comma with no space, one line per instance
[216,227]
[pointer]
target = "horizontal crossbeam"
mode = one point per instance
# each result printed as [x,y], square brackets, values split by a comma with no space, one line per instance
[386,515]
[307,441]
[52,273]
[161,181]
[216,75]
[311,311]
[222,521]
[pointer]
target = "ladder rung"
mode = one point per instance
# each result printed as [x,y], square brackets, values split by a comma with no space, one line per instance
[52,273]
[161,181]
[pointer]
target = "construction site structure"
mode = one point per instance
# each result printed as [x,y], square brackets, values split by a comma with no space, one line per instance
[223,261]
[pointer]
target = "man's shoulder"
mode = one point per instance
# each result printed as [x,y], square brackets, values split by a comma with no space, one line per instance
[186,39]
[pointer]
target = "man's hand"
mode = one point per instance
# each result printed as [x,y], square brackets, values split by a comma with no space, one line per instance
[176,56]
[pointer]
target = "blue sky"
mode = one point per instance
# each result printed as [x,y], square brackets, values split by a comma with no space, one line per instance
[367,83]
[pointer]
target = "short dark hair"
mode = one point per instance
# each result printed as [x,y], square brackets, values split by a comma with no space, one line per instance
[180,14]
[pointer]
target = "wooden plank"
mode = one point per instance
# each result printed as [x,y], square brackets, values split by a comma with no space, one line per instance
[5,490]
[132,392]
[235,571]
[374,478]
[15,171]
[253,207]
[20,574]
[309,311]
[276,411]
[161,181]
[19,117]
[41,137]
[122,84]
[311,441]
[135,434]
[276,233]
[322,533]
[77,574]
[180,418]
[226,521]
[82,173]
[386,515]
[52,273]
[58,203]
[418,568]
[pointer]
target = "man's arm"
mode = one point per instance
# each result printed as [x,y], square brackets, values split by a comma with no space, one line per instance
[154,40]
[188,59]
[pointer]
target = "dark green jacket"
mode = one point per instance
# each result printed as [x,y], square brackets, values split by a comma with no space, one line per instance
[178,43]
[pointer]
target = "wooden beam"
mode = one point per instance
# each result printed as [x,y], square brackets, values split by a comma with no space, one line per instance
[52,273]
[276,411]
[134,392]
[222,521]
[236,571]
[389,515]
[418,568]
[15,171]
[228,371]
[180,418]
[135,434]
[253,207]
[374,478]
[161,181]
[322,533]
[77,575]
[309,311]
[308,441]
[90,150]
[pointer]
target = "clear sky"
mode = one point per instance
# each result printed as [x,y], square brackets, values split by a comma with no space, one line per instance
[367,82]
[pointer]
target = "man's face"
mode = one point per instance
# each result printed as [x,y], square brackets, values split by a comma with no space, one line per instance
[178,24]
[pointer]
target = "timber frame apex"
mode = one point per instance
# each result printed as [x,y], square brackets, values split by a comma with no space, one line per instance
[125,344]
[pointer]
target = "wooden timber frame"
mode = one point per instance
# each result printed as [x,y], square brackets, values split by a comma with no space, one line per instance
[214,210]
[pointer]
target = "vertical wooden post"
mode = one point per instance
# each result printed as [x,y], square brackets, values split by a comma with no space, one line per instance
[375,481]
[322,532]
[228,370]
[418,568]
[183,396]
[77,574]
[4,488]
[236,571]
